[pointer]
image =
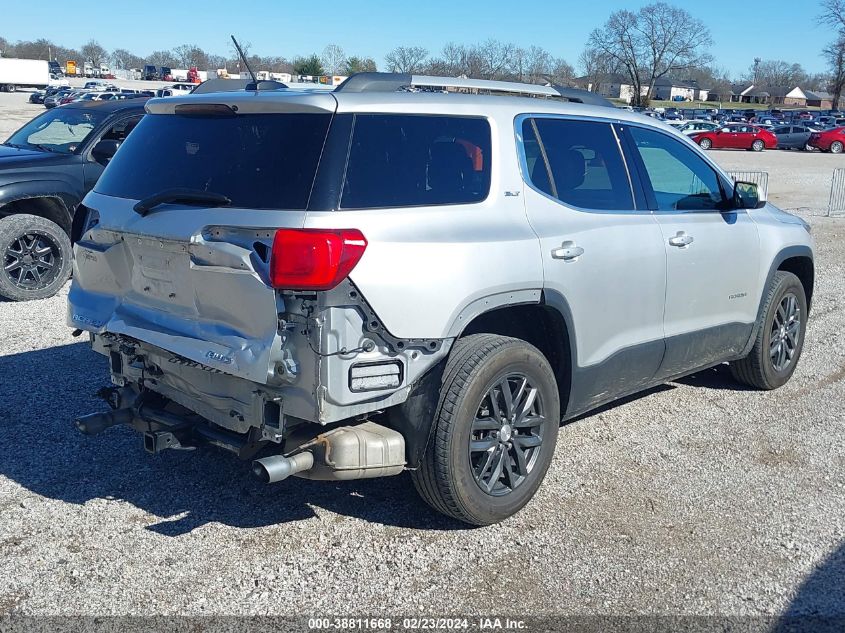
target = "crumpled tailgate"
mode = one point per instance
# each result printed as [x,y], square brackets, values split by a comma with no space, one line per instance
[184,279]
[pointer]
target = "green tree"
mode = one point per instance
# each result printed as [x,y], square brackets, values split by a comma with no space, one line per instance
[360,65]
[310,65]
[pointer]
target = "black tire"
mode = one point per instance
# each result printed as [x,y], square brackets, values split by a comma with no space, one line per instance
[42,252]
[836,147]
[758,369]
[446,478]
[758,145]
[705,143]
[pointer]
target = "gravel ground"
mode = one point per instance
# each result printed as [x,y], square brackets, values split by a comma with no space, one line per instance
[698,497]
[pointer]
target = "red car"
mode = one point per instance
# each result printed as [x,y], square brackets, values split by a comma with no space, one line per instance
[739,136]
[829,140]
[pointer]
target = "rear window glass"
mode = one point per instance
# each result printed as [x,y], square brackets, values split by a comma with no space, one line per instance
[402,161]
[259,161]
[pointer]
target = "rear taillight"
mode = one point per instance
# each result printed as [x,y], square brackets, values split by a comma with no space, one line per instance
[314,259]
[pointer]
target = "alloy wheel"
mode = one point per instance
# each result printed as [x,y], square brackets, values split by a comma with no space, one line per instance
[507,435]
[785,333]
[32,261]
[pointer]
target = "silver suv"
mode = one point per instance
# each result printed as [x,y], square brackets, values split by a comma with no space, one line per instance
[416,273]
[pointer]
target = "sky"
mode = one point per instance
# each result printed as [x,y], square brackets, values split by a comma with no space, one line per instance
[785,30]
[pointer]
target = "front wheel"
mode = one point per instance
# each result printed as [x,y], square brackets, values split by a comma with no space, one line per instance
[705,143]
[836,147]
[494,432]
[36,257]
[780,336]
[758,145]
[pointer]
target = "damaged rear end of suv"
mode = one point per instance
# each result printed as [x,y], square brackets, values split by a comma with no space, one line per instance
[213,272]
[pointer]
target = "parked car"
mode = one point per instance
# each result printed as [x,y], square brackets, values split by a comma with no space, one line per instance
[353,312]
[739,136]
[793,137]
[832,140]
[693,127]
[46,167]
[37,96]
[52,100]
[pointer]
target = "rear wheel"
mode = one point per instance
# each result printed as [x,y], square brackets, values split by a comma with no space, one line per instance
[705,143]
[494,431]
[780,336]
[758,145]
[36,257]
[836,147]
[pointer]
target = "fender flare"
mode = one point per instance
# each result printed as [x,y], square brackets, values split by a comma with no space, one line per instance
[55,189]
[789,252]
[414,418]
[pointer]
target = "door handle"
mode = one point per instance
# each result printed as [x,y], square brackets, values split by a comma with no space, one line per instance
[567,251]
[681,240]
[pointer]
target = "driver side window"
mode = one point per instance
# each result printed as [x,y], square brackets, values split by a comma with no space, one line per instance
[681,180]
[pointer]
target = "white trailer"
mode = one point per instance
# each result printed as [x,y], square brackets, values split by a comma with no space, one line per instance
[23,73]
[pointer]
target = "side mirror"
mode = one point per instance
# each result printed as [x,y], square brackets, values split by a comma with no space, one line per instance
[747,195]
[104,151]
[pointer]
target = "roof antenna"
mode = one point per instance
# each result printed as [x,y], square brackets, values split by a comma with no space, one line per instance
[243,57]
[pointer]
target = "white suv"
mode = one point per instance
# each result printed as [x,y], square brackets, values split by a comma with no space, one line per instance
[415,273]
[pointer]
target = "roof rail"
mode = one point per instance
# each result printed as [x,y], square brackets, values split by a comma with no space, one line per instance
[393,82]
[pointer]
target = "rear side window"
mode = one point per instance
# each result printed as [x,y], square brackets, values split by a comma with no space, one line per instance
[577,162]
[259,161]
[414,160]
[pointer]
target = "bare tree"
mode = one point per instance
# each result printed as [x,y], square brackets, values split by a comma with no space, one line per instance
[188,55]
[771,73]
[5,47]
[833,13]
[334,59]
[406,59]
[834,54]
[94,53]
[162,58]
[657,40]
[495,58]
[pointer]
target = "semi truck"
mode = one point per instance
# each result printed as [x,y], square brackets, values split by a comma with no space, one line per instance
[23,73]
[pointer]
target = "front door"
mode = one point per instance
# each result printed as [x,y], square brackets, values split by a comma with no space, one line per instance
[602,251]
[712,254]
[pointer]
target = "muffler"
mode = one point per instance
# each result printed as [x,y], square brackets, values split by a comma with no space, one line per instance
[348,452]
[94,423]
[278,467]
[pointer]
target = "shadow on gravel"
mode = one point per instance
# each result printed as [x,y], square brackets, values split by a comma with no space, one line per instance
[819,604]
[42,391]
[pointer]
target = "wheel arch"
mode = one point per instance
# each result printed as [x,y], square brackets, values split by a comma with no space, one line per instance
[50,204]
[546,324]
[797,260]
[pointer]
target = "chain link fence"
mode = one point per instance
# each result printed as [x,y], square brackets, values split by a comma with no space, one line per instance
[759,178]
[836,206]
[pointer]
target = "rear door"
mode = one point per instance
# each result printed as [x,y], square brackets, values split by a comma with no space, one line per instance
[712,254]
[602,252]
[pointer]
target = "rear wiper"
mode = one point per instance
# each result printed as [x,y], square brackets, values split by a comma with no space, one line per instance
[188,196]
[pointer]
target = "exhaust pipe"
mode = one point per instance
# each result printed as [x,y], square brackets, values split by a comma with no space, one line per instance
[95,423]
[278,467]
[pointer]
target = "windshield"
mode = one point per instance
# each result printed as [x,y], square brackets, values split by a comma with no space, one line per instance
[61,130]
[258,161]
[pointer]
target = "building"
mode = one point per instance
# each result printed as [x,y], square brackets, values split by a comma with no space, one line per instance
[819,99]
[615,86]
[673,90]
[785,95]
